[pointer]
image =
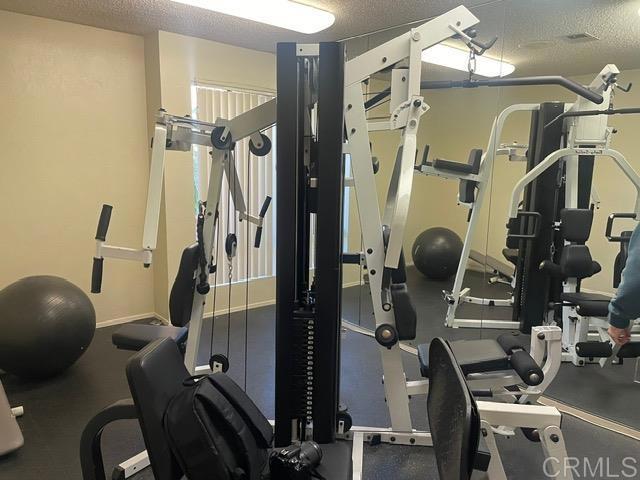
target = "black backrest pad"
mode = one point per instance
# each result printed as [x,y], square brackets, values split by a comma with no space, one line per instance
[262,430]
[181,297]
[621,259]
[453,415]
[155,375]
[575,224]
[404,312]
[576,261]
[467,188]
[398,275]
[515,227]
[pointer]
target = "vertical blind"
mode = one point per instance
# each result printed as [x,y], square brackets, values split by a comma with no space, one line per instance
[256,175]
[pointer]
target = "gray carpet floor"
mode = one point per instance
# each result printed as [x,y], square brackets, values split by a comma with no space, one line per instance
[56,410]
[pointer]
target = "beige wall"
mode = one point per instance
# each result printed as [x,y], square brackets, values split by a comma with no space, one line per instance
[460,120]
[82,101]
[74,136]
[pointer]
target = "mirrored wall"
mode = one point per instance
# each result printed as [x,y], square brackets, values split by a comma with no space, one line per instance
[488,244]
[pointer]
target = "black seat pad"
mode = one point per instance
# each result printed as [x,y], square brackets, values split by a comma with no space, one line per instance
[588,304]
[136,336]
[473,356]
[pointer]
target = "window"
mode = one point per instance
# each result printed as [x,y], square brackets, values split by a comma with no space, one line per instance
[257,177]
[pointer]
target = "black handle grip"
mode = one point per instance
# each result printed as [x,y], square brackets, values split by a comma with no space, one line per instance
[258,239]
[526,368]
[103,222]
[515,222]
[96,275]
[265,206]
[263,211]
[610,221]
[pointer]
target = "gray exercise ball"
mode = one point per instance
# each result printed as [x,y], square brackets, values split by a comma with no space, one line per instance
[46,324]
[436,253]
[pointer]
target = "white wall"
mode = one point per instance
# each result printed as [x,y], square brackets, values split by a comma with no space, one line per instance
[74,136]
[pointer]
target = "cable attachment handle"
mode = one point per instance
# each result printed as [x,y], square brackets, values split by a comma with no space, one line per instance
[468,36]
[626,89]
[261,215]
[202,286]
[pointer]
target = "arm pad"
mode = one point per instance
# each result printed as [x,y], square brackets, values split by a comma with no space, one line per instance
[526,367]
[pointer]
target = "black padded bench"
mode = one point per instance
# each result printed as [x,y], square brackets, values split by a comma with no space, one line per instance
[136,336]
[454,419]
[587,304]
[507,352]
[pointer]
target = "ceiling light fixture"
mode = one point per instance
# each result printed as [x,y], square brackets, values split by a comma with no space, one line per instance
[279,13]
[450,57]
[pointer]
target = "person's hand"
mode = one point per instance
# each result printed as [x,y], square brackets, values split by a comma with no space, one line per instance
[620,335]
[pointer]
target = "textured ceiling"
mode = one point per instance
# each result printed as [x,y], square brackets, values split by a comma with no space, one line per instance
[517,22]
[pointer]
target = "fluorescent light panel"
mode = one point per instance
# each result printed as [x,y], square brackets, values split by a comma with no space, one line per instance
[451,57]
[279,13]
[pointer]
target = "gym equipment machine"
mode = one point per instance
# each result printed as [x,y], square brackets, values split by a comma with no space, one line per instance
[190,290]
[180,134]
[474,177]
[320,118]
[556,222]
[313,138]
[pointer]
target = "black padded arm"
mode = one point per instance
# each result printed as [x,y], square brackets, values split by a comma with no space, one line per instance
[526,368]
[520,360]
[610,220]
[456,167]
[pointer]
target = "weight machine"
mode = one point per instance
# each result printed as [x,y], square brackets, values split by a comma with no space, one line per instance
[328,122]
[474,177]
[199,261]
[556,221]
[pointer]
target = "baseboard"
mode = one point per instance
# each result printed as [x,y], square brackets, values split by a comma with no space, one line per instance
[240,308]
[209,314]
[122,320]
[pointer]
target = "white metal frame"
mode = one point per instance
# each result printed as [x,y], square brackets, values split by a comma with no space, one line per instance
[406,116]
[406,108]
[459,295]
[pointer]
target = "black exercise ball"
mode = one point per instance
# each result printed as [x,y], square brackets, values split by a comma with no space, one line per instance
[46,324]
[436,253]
